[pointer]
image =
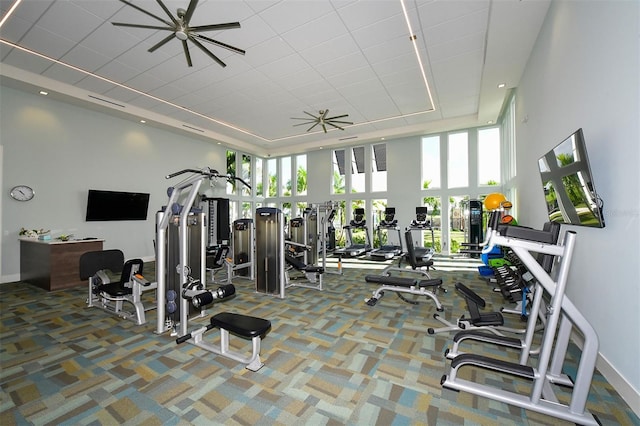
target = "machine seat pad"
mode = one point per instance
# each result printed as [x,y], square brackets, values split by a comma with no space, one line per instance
[115,289]
[313,269]
[241,325]
[490,318]
[488,363]
[402,281]
[481,336]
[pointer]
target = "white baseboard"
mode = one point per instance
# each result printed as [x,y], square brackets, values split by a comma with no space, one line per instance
[5,279]
[619,383]
[630,395]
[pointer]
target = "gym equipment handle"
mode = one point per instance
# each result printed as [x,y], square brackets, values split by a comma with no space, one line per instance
[209,173]
[188,336]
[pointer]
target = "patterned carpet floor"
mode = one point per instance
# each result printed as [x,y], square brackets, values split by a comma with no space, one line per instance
[329,360]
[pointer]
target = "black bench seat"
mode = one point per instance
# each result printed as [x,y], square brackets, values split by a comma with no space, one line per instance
[241,325]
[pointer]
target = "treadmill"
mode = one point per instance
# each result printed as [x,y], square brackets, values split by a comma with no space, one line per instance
[352,249]
[388,226]
[421,223]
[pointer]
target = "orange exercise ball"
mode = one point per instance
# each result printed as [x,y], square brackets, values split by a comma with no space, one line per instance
[493,201]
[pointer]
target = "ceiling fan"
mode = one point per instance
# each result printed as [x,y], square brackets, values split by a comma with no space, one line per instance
[180,29]
[322,120]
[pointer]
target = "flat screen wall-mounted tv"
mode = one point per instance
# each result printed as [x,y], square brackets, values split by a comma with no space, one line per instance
[569,191]
[116,205]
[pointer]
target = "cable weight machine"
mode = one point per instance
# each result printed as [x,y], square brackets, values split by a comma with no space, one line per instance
[181,249]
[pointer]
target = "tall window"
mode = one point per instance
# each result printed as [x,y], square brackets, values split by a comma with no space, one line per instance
[301,174]
[358,175]
[489,156]
[246,174]
[458,160]
[431,162]
[259,184]
[378,167]
[231,170]
[285,176]
[247,210]
[338,175]
[272,175]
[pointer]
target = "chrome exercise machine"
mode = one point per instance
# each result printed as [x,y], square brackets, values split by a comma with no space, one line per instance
[180,269]
[388,231]
[113,295]
[272,258]
[563,318]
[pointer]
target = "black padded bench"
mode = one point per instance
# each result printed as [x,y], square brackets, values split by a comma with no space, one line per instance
[240,325]
[403,281]
[398,285]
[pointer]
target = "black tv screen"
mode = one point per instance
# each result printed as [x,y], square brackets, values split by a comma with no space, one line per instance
[569,192]
[116,205]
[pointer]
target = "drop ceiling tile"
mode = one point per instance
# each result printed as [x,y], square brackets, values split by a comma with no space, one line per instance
[85,59]
[331,50]
[109,42]
[380,32]
[318,31]
[270,50]
[285,66]
[287,15]
[14,29]
[31,11]
[45,42]
[457,46]
[64,74]
[24,60]
[343,64]
[117,71]
[472,23]
[443,12]
[69,21]
[363,14]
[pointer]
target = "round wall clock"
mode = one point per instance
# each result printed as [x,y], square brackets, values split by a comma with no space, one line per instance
[22,193]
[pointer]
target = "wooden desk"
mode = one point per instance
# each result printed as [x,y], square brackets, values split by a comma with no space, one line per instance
[54,265]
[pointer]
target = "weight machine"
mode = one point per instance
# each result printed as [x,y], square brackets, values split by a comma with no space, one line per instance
[563,318]
[180,273]
[272,257]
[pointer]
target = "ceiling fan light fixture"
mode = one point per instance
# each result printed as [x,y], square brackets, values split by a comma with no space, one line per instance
[322,120]
[181,30]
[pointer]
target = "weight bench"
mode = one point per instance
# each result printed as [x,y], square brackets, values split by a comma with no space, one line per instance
[416,286]
[243,326]
[491,321]
[311,272]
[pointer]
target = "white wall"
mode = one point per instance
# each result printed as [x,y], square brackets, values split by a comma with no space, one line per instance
[61,151]
[584,72]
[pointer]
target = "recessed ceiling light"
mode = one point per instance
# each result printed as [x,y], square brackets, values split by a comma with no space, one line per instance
[143,121]
[43,93]
[490,122]
[501,85]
